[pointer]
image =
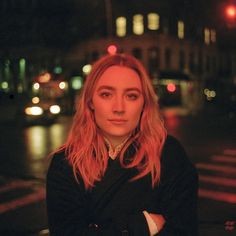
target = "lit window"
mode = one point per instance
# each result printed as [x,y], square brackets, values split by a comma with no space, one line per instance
[153,21]
[121,26]
[180,29]
[207,36]
[138,27]
[213,36]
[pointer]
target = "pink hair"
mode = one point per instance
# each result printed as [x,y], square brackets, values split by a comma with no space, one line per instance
[85,147]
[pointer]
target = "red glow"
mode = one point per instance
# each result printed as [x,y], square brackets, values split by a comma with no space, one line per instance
[231,11]
[112,49]
[171,87]
[44,78]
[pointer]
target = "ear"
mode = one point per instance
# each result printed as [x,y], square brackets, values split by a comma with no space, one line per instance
[91,106]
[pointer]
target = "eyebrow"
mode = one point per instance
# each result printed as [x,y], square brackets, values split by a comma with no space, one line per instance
[112,88]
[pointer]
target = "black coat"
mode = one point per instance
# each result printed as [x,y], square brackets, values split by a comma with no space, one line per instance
[114,206]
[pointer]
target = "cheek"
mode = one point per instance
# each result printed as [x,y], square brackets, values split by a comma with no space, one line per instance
[136,114]
[100,111]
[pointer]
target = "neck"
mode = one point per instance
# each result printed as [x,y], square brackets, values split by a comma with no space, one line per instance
[113,150]
[116,142]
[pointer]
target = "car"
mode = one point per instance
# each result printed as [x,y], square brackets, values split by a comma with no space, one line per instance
[38,111]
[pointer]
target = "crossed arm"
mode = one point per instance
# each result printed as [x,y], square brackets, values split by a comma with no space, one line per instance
[67,209]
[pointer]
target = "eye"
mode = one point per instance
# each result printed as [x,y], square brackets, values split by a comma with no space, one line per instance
[132,96]
[105,94]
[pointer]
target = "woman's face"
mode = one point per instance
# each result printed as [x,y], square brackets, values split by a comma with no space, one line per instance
[117,103]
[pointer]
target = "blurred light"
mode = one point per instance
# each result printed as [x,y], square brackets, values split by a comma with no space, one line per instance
[44,78]
[57,70]
[206,91]
[112,49]
[231,11]
[153,21]
[155,81]
[20,88]
[4,85]
[36,86]
[62,85]
[213,35]
[36,138]
[138,27]
[210,94]
[7,63]
[35,100]
[180,29]
[121,26]
[86,69]
[76,82]
[34,111]
[44,232]
[7,71]
[22,63]
[207,36]
[55,109]
[22,70]
[171,87]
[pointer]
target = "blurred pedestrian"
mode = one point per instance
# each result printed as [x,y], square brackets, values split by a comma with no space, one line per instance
[119,173]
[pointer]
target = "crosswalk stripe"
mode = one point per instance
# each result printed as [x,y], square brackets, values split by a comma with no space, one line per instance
[15,185]
[228,182]
[214,167]
[36,196]
[217,195]
[230,152]
[222,158]
[224,164]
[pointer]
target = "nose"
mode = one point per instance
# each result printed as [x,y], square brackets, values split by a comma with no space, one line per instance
[119,105]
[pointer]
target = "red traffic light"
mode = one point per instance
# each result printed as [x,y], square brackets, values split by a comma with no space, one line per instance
[230,11]
[171,87]
[112,49]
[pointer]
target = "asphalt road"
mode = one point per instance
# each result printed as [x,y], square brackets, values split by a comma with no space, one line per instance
[209,139]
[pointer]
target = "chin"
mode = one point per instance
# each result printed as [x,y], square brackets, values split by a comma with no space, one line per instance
[117,134]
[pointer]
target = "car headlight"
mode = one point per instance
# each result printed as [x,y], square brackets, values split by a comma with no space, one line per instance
[33,111]
[55,109]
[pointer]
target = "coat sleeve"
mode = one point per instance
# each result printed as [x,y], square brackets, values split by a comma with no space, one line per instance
[179,193]
[65,201]
[68,208]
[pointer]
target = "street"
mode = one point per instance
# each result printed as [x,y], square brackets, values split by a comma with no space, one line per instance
[209,139]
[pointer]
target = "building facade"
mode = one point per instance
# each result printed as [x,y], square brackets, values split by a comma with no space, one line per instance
[163,45]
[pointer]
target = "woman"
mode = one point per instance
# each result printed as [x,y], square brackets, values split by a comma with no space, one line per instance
[118,172]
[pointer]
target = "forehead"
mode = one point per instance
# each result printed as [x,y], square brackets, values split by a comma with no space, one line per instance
[120,77]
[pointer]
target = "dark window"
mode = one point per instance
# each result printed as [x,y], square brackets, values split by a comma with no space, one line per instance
[191,62]
[153,61]
[168,54]
[137,52]
[181,60]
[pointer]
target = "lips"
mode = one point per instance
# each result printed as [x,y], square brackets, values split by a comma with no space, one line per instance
[117,121]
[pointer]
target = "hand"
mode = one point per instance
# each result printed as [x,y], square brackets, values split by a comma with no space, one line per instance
[159,220]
